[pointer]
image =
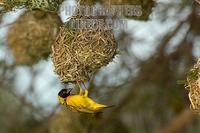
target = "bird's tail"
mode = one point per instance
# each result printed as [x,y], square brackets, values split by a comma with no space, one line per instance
[106,106]
[109,106]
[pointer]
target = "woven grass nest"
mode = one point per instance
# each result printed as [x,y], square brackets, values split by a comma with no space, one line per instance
[31,36]
[193,86]
[78,53]
[44,5]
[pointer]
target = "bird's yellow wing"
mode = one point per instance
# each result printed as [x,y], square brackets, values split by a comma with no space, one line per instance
[84,104]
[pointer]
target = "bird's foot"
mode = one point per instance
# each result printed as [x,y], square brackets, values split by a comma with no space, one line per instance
[81,91]
[86,93]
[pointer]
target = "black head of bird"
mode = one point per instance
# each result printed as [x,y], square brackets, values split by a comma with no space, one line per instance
[64,93]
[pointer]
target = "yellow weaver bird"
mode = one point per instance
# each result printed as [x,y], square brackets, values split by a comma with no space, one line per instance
[80,102]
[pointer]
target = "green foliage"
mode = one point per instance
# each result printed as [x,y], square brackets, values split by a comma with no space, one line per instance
[181,82]
[9,4]
[193,74]
[44,5]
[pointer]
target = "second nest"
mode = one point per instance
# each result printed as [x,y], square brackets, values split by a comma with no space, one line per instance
[193,86]
[78,53]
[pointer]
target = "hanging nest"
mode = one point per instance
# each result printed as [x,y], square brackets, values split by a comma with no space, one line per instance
[30,37]
[44,5]
[79,52]
[193,85]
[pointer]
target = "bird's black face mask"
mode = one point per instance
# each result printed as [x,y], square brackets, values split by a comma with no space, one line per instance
[65,93]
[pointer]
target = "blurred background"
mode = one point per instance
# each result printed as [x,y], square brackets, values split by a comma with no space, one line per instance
[156,51]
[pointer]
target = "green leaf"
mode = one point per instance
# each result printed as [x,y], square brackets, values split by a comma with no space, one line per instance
[193,74]
[181,82]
